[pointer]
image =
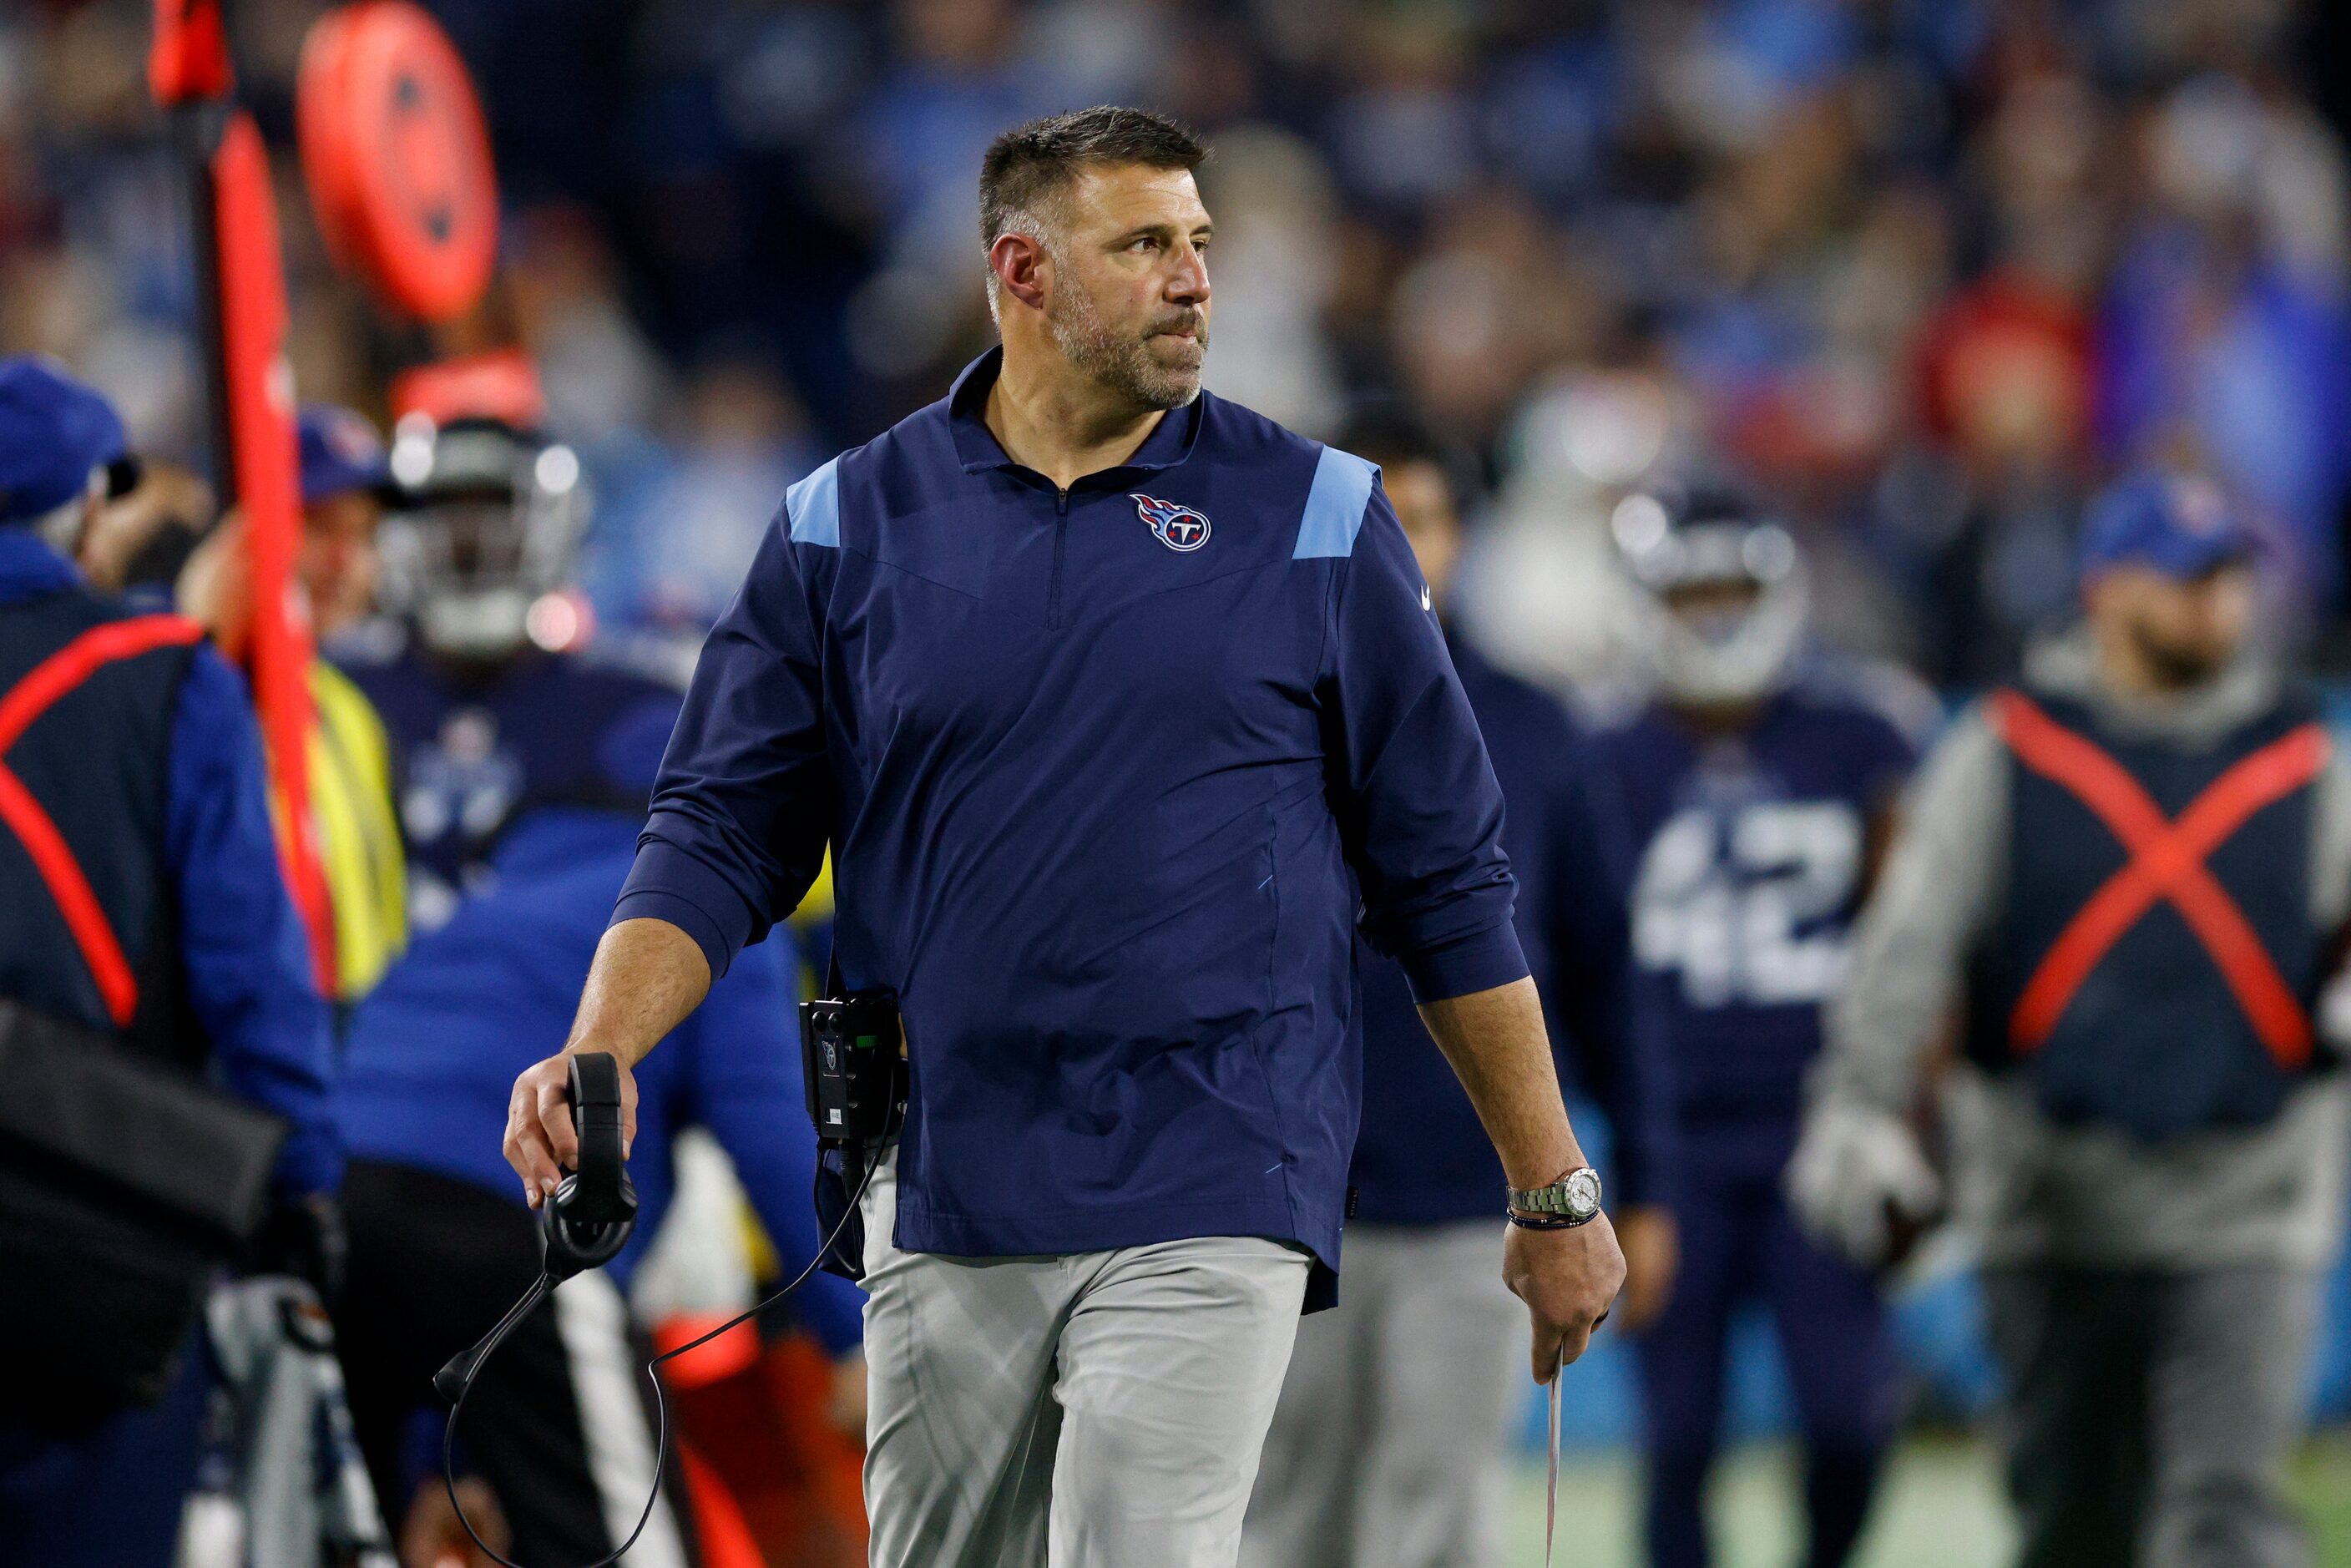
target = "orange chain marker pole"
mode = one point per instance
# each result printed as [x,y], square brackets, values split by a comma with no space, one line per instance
[241,296]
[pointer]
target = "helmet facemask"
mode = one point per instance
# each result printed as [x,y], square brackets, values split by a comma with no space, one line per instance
[1724,598]
[488,526]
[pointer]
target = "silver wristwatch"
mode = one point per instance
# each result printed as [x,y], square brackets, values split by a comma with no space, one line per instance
[1574,1199]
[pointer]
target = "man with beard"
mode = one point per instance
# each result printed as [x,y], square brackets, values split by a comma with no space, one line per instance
[1116,704]
[2131,878]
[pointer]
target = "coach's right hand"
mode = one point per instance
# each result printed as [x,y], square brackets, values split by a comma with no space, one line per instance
[1568,1279]
[541,1140]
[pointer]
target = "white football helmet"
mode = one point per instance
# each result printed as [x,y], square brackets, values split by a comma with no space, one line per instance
[1713,650]
[486,523]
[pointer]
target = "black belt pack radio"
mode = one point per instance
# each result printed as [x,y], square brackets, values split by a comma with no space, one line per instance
[853,1067]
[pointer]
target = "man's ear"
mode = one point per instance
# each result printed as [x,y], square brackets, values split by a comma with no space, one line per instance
[1021,266]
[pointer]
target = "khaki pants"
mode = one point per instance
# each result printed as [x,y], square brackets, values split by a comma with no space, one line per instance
[1388,1449]
[1091,1410]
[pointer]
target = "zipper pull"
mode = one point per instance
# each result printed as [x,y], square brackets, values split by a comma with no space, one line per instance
[1060,503]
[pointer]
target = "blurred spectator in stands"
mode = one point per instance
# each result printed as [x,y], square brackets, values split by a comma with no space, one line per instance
[1277,235]
[672,564]
[1984,496]
[2225,332]
[603,377]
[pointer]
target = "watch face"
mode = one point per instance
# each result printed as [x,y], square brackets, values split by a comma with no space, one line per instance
[1583,1193]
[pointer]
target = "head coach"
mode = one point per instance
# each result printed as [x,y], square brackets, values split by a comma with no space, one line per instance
[1123,710]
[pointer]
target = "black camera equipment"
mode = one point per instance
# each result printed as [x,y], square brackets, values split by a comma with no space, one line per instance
[126,1181]
[584,1223]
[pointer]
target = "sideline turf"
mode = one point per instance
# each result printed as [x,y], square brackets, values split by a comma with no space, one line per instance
[1941,1508]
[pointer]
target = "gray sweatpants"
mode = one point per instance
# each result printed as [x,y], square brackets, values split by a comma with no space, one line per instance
[2149,1416]
[1388,1448]
[1090,1410]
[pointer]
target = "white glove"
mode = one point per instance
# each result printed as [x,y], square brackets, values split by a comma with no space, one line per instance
[1856,1170]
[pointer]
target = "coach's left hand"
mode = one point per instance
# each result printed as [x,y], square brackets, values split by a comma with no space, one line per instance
[1568,1279]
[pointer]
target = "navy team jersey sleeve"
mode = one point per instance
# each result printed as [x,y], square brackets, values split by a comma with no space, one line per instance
[746,797]
[246,953]
[1609,1015]
[748,1093]
[1417,804]
[1889,757]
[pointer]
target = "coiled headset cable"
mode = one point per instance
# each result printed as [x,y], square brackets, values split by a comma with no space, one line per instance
[583,1224]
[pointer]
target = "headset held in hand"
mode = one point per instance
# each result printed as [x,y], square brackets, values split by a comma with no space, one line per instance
[583,1224]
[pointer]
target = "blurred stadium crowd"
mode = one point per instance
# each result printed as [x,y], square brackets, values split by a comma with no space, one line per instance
[1929,272]
[1928,269]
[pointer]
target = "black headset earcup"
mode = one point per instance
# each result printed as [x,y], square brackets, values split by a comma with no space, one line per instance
[570,1244]
[558,1254]
[587,1220]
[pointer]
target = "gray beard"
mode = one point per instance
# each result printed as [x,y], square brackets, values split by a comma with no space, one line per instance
[1123,364]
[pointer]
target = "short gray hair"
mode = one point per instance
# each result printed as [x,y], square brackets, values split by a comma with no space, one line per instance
[1029,168]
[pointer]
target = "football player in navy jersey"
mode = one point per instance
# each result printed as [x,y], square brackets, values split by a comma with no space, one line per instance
[487,712]
[1758,799]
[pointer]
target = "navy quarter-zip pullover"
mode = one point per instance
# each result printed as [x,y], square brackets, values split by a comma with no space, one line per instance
[1109,773]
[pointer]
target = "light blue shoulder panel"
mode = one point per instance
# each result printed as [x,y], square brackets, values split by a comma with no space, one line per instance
[814,506]
[1334,505]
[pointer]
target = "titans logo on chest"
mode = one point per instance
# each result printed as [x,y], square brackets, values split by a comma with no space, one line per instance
[1177,528]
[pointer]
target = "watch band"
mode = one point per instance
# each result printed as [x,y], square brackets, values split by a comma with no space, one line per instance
[1561,1206]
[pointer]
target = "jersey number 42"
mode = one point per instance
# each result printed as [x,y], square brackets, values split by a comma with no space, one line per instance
[1749,905]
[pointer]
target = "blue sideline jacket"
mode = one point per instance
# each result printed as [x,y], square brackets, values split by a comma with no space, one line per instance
[1422,1158]
[243,958]
[1109,774]
[434,1050]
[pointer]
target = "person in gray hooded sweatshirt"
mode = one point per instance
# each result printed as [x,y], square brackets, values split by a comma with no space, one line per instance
[2129,880]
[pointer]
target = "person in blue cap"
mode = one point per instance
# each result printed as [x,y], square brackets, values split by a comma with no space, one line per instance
[346,480]
[141,898]
[62,453]
[2129,877]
